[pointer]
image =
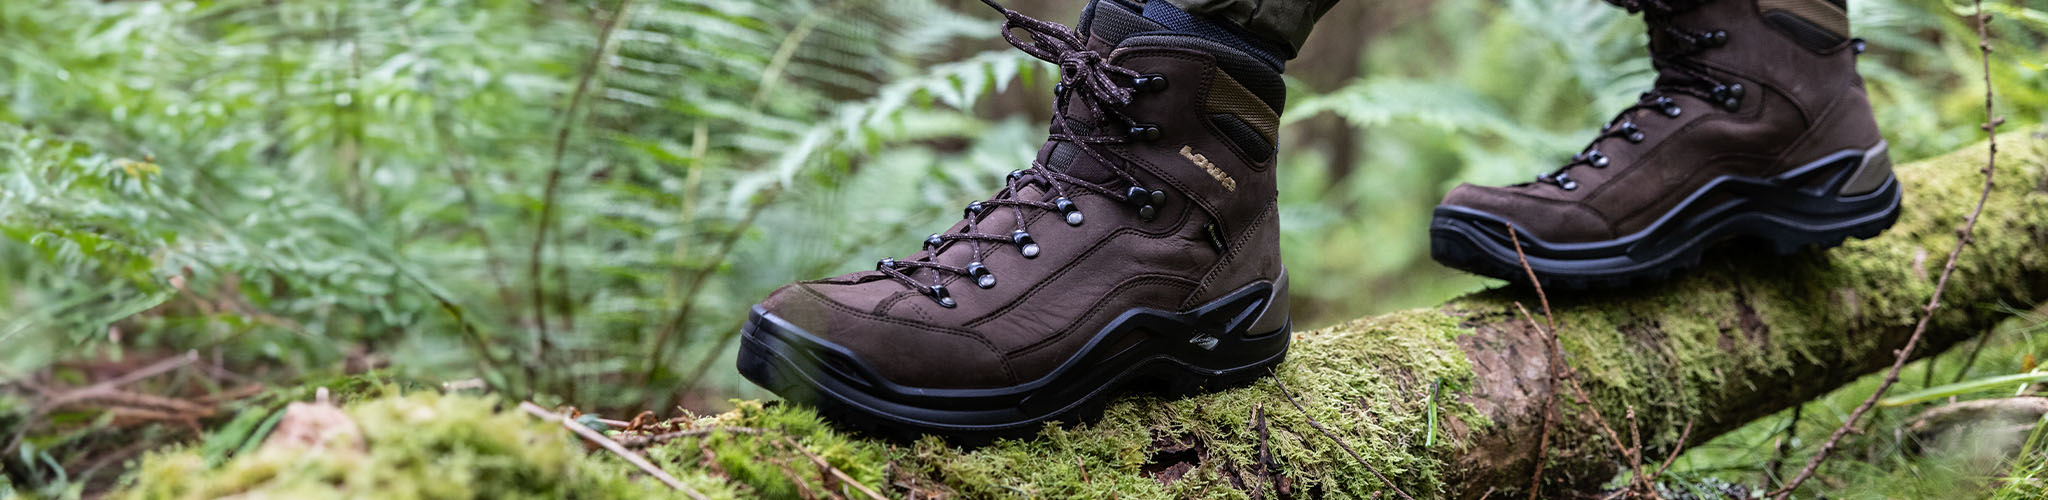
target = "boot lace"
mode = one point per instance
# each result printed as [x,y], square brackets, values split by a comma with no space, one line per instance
[1678,74]
[1085,75]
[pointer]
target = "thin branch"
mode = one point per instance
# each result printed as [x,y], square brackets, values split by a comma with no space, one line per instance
[1571,379]
[1991,122]
[1533,283]
[1635,460]
[837,474]
[1333,436]
[659,356]
[1773,467]
[1680,449]
[613,446]
[1551,350]
[651,440]
[1543,441]
[554,182]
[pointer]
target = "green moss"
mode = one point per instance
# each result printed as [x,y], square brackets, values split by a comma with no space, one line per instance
[1330,370]
[420,445]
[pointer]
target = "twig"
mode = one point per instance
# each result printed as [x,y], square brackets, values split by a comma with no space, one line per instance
[1635,460]
[613,446]
[836,473]
[645,441]
[1963,373]
[1551,348]
[107,388]
[1333,436]
[1571,379]
[658,356]
[554,182]
[1772,468]
[1533,283]
[1991,122]
[1265,450]
[1543,441]
[1682,436]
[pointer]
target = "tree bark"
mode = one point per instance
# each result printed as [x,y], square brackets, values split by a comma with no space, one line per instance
[1740,338]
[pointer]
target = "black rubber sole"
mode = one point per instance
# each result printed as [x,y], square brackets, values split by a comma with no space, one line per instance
[1781,215]
[1172,354]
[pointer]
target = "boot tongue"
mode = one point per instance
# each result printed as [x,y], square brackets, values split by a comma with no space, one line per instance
[1107,23]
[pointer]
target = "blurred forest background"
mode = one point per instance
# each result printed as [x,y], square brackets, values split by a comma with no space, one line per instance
[577,200]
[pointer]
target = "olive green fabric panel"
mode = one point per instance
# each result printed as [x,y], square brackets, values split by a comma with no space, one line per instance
[1822,13]
[1280,20]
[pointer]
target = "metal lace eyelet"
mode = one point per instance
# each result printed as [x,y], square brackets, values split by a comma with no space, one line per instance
[1730,96]
[1150,82]
[1023,239]
[933,242]
[1136,195]
[885,264]
[1147,201]
[1597,160]
[1014,175]
[1565,181]
[1858,45]
[982,277]
[1672,111]
[974,210]
[1717,38]
[938,294]
[1067,207]
[1144,132]
[1630,131]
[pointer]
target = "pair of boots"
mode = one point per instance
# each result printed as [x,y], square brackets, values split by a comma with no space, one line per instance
[1142,249]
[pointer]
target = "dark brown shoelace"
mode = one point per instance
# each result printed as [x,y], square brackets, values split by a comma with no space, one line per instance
[1085,75]
[1677,74]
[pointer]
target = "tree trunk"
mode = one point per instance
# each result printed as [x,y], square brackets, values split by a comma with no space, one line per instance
[1738,339]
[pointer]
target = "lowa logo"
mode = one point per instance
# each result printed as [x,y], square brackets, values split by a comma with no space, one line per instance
[1188,152]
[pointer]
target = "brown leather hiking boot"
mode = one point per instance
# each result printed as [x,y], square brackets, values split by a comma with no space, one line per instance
[1758,133]
[1141,248]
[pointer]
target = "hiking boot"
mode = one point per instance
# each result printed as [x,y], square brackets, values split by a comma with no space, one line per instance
[1141,249]
[1758,134]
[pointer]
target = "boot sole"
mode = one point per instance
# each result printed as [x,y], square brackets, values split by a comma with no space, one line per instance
[1173,354]
[1780,215]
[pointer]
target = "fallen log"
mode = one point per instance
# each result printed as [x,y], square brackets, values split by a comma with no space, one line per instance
[1738,339]
[1446,402]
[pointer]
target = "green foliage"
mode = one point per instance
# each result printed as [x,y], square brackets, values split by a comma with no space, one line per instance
[303,186]
[345,178]
[1880,463]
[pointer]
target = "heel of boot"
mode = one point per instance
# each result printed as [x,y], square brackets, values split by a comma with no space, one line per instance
[1872,174]
[1274,318]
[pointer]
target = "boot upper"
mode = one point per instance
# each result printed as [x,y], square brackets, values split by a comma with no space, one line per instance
[1746,88]
[1124,208]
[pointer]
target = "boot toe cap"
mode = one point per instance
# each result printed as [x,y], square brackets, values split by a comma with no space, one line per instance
[902,351]
[1551,219]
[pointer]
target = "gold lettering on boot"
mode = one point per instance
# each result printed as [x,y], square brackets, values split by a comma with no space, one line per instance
[1229,184]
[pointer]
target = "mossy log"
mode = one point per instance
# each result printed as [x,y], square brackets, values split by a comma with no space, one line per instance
[1738,339]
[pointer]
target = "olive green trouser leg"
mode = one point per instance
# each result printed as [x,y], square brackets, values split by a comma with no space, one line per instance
[1278,20]
[1289,21]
